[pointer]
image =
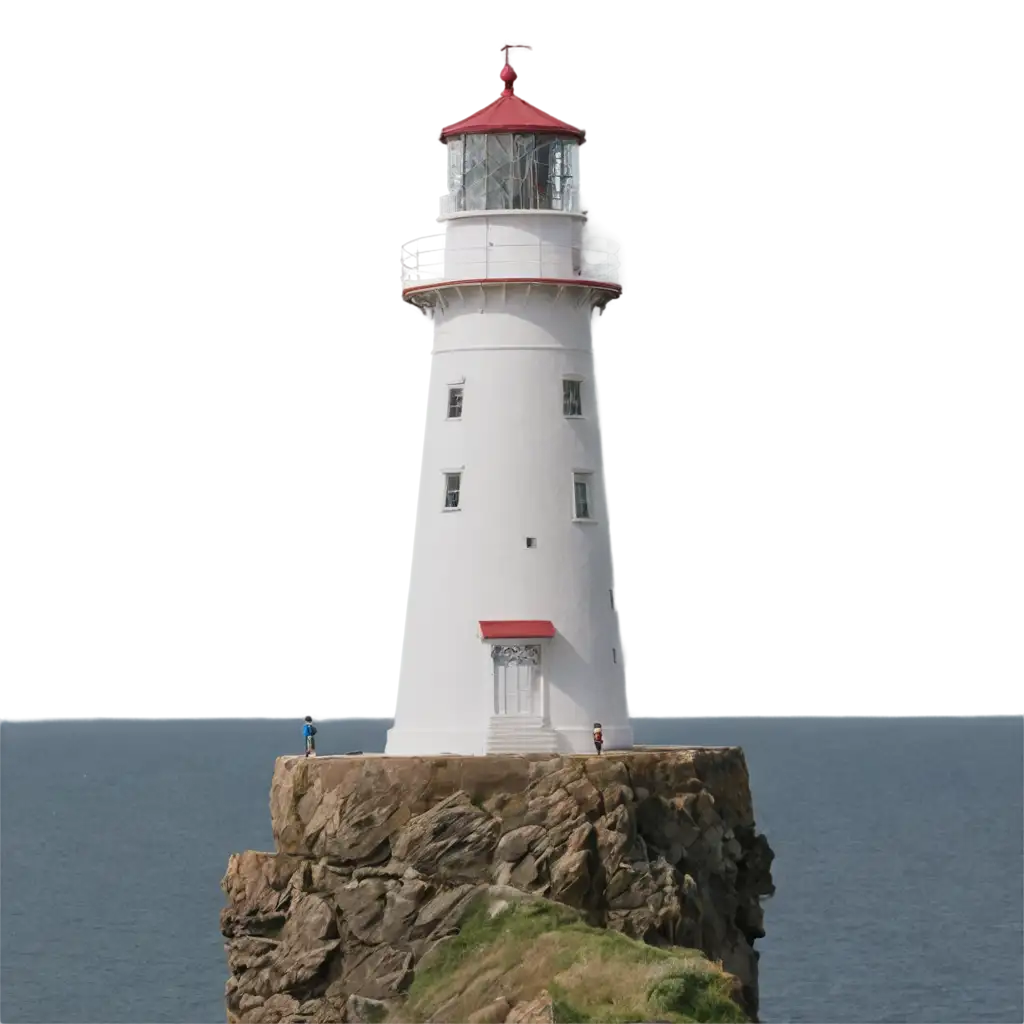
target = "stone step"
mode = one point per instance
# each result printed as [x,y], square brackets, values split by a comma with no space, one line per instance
[515,722]
[522,748]
[520,734]
[535,734]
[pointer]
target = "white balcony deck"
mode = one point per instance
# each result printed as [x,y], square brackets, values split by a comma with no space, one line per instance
[429,260]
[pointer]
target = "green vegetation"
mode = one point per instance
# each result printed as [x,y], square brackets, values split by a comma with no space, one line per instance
[538,950]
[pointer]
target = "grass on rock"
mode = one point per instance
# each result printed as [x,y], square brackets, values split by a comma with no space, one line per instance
[521,949]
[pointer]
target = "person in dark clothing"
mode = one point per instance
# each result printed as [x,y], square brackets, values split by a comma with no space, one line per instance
[598,737]
[308,732]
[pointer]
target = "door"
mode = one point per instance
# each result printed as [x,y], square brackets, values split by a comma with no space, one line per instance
[516,679]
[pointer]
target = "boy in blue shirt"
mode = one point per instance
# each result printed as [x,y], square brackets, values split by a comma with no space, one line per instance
[308,732]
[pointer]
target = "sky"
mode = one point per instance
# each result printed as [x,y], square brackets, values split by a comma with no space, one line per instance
[212,397]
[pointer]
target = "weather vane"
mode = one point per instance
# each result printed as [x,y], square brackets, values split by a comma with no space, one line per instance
[511,46]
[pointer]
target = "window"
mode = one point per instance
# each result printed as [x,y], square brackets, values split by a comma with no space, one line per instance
[615,656]
[581,495]
[572,400]
[531,542]
[455,403]
[452,487]
[611,599]
[521,171]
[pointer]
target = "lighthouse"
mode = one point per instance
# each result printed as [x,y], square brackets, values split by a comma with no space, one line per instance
[511,635]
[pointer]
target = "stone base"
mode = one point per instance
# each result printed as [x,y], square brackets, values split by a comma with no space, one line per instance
[413,742]
[581,741]
[378,856]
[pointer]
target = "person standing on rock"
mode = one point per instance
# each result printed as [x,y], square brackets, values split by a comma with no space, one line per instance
[308,732]
[598,737]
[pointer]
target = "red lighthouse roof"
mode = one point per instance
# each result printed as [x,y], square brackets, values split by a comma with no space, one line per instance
[508,113]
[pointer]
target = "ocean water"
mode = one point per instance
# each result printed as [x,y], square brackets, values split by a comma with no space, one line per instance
[899,867]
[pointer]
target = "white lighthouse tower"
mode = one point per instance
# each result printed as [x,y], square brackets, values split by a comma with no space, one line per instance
[511,635]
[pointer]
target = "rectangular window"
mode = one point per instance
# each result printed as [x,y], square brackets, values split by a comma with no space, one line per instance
[475,171]
[581,495]
[455,403]
[455,158]
[572,401]
[452,487]
[611,599]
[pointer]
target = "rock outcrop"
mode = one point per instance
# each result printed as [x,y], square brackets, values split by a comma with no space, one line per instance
[378,857]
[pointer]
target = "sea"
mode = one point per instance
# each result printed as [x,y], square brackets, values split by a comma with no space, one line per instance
[899,861]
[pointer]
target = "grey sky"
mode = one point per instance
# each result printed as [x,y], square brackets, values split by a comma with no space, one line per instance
[209,394]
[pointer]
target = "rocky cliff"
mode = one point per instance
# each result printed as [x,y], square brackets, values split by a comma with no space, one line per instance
[378,858]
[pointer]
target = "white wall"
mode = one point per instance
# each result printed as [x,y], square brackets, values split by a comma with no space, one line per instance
[517,453]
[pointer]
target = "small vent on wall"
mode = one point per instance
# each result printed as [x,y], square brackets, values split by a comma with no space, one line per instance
[531,542]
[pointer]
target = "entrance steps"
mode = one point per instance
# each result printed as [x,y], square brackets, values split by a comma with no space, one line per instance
[520,734]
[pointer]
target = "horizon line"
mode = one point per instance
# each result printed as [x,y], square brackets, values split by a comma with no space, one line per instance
[198,716]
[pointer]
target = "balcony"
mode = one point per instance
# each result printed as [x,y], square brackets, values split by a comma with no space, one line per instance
[428,260]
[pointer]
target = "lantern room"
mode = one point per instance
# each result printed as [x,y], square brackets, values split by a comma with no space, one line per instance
[511,156]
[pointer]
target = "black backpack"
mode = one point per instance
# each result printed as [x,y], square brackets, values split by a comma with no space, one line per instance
[312,730]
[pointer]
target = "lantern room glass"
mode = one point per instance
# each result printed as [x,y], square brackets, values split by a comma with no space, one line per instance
[512,172]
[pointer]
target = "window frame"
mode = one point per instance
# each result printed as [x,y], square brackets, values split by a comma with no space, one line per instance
[446,475]
[452,389]
[513,171]
[568,380]
[586,478]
